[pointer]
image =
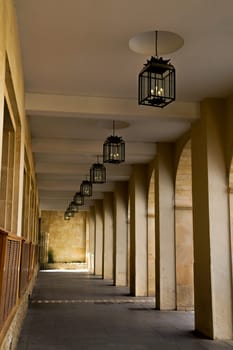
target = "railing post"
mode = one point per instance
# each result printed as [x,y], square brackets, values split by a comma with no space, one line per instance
[3,242]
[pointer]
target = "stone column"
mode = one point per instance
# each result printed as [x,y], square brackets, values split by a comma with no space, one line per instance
[138,231]
[151,233]
[164,224]
[44,247]
[21,188]
[108,235]
[121,235]
[92,239]
[2,72]
[184,231]
[87,229]
[184,258]
[212,248]
[98,237]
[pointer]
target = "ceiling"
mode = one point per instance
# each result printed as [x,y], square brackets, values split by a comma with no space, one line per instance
[80,75]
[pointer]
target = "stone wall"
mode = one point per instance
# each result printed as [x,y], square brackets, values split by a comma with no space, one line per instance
[66,239]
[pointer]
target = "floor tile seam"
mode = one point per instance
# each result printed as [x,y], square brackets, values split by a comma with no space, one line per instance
[112,301]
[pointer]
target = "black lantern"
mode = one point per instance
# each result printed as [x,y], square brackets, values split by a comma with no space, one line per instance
[86,188]
[78,198]
[114,149]
[98,173]
[67,215]
[73,207]
[156,82]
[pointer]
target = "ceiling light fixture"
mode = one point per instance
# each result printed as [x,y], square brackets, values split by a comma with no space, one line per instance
[78,198]
[114,149]
[67,215]
[86,188]
[98,173]
[156,81]
[73,207]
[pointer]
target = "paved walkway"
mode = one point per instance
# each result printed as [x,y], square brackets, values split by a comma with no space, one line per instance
[70,310]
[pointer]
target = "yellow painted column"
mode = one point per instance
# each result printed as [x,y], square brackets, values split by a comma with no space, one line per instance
[164,228]
[121,234]
[108,223]
[184,230]
[92,239]
[138,231]
[151,234]
[211,223]
[98,237]
[87,229]
[2,72]
[184,258]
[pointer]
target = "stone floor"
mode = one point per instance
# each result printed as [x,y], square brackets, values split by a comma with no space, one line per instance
[75,310]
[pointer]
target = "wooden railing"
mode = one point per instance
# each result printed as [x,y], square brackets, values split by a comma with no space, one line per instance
[24,266]
[18,260]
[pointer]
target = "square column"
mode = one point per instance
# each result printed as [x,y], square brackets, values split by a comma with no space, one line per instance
[87,230]
[165,228]
[2,71]
[108,235]
[121,235]
[91,239]
[211,224]
[2,88]
[98,237]
[138,231]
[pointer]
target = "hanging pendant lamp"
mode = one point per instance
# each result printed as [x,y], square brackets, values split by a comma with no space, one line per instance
[114,149]
[78,198]
[98,173]
[73,207]
[67,215]
[156,81]
[86,188]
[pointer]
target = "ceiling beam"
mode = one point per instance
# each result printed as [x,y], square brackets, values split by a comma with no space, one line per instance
[73,146]
[105,108]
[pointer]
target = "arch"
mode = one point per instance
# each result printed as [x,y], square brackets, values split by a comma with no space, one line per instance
[184,231]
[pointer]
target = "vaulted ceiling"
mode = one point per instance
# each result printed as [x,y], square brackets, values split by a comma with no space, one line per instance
[80,75]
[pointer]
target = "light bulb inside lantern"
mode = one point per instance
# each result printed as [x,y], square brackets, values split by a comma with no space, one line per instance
[157,91]
[160,92]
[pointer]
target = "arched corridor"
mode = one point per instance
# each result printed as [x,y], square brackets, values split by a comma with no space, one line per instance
[150,234]
[70,310]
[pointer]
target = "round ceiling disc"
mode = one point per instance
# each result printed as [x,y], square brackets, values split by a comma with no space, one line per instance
[145,43]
